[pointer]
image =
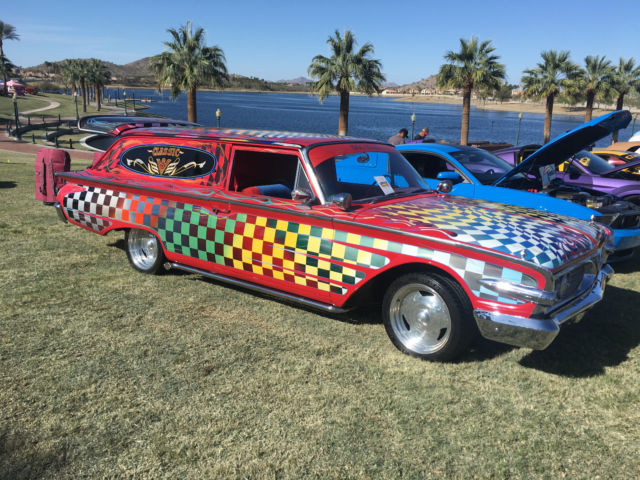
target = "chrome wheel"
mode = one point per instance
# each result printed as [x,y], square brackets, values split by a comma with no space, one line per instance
[144,251]
[420,318]
[428,315]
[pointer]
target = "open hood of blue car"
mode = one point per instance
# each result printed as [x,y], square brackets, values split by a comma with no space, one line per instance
[563,146]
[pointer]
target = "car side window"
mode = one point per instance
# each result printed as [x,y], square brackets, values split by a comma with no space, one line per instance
[266,173]
[428,166]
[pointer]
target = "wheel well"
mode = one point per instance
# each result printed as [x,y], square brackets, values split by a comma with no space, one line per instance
[374,290]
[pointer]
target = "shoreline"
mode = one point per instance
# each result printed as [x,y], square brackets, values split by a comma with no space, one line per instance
[510,106]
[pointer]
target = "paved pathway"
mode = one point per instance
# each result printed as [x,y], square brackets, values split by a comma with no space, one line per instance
[11,145]
[51,105]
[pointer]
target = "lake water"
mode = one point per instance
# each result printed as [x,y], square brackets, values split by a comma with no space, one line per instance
[369,117]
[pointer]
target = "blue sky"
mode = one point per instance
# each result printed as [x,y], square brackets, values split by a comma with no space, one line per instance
[277,39]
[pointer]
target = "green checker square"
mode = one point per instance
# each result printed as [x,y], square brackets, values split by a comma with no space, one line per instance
[366,241]
[325,246]
[202,255]
[241,217]
[323,273]
[425,252]
[336,268]
[219,238]
[177,214]
[169,225]
[210,246]
[351,254]
[340,236]
[348,279]
[184,229]
[293,227]
[202,232]
[377,260]
[312,261]
[193,243]
[230,226]
[394,247]
[302,242]
[316,232]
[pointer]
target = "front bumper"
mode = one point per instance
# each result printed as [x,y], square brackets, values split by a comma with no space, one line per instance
[539,333]
[58,208]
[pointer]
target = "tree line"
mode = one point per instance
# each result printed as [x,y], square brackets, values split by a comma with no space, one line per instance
[188,64]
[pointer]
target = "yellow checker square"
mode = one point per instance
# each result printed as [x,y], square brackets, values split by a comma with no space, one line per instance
[338,250]
[249,229]
[237,241]
[288,265]
[311,271]
[304,229]
[364,258]
[380,244]
[282,225]
[278,252]
[238,264]
[335,276]
[247,256]
[290,239]
[324,265]
[300,258]
[314,245]
[300,280]
[353,238]
[261,221]
[325,287]
[269,235]
[257,269]
[256,245]
[278,275]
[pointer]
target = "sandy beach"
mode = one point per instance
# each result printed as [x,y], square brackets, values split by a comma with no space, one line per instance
[517,106]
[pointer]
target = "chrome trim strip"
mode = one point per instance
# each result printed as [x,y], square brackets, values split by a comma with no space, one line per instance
[520,292]
[259,288]
[538,333]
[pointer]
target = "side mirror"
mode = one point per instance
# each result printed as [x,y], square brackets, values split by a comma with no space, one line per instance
[342,200]
[454,177]
[445,186]
[302,195]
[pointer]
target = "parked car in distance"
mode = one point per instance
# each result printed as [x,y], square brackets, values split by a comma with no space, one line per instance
[617,157]
[476,173]
[334,222]
[629,146]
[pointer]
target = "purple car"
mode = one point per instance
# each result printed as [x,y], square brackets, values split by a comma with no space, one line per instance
[575,166]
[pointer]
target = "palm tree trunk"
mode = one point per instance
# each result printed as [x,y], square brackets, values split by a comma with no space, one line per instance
[83,87]
[343,121]
[619,105]
[548,113]
[4,75]
[192,113]
[98,96]
[588,112]
[466,108]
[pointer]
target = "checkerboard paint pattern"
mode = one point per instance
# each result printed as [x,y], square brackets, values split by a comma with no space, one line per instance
[543,243]
[318,257]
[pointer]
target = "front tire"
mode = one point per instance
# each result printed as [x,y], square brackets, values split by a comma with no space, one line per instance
[428,316]
[144,251]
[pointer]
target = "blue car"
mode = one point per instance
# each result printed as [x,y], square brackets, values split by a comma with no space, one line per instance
[476,173]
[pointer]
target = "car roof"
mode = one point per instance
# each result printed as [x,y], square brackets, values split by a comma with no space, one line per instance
[272,137]
[434,147]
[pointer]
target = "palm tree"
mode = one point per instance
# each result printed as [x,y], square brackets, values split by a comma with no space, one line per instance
[547,80]
[72,71]
[7,32]
[626,78]
[473,67]
[98,77]
[595,80]
[188,65]
[344,72]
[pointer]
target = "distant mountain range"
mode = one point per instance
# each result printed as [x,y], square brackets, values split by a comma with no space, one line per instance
[139,73]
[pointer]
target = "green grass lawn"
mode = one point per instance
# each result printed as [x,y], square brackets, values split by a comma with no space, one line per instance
[109,373]
[67,106]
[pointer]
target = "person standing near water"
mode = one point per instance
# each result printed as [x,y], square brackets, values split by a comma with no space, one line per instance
[400,137]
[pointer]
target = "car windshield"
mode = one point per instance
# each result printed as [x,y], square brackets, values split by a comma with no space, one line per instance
[486,167]
[592,162]
[369,175]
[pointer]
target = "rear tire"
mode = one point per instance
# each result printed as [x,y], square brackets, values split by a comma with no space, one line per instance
[428,316]
[144,251]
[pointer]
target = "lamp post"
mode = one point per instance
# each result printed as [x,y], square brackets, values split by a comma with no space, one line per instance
[218,116]
[413,123]
[124,99]
[117,95]
[134,102]
[518,132]
[75,98]
[15,111]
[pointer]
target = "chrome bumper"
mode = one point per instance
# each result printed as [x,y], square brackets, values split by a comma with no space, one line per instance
[539,333]
[58,208]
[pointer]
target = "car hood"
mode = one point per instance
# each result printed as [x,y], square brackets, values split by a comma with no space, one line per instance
[563,146]
[542,238]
